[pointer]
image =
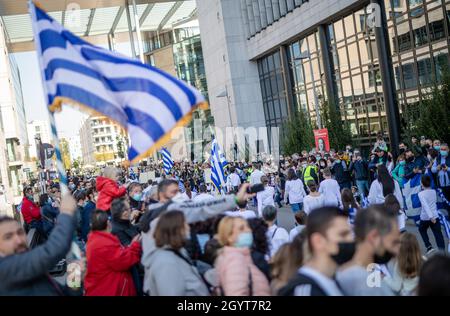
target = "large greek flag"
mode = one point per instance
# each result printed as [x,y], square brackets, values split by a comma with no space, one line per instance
[217,168]
[167,160]
[147,102]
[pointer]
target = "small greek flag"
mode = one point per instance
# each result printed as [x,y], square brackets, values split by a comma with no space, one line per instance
[411,193]
[146,101]
[167,161]
[217,172]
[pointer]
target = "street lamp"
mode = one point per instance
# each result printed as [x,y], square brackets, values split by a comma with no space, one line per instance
[307,55]
[223,95]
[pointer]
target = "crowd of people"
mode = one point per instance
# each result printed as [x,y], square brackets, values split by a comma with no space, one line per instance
[178,235]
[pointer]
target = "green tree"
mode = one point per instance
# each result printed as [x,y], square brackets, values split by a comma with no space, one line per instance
[298,134]
[76,164]
[431,116]
[338,130]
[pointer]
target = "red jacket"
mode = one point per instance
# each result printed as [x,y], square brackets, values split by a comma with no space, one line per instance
[108,265]
[30,211]
[108,190]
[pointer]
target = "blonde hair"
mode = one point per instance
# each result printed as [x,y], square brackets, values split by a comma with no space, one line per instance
[110,172]
[225,229]
[409,258]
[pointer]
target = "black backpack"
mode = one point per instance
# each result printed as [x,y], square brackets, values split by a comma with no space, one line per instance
[301,279]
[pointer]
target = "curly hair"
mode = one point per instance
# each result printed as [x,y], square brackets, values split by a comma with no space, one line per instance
[259,230]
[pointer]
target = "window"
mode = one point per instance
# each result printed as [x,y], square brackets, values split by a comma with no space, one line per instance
[37,129]
[420,36]
[437,30]
[409,76]
[404,42]
[424,70]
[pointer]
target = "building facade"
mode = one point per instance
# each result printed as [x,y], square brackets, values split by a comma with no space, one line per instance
[372,59]
[178,51]
[101,141]
[13,122]
[75,148]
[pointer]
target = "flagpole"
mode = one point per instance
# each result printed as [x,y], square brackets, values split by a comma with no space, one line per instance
[59,164]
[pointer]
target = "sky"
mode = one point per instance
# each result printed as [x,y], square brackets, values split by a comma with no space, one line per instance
[69,120]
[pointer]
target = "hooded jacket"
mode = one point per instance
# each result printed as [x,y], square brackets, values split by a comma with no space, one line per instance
[108,190]
[238,275]
[168,274]
[108,265]
[30,211]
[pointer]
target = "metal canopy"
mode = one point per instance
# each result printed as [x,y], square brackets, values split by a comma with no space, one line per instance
[92,17]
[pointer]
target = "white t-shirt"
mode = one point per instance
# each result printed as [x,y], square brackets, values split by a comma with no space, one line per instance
[265,198]
[312,202]
[295,231]
[331,191]
[247,214]
[255,177]
[428,200]
[277,236]
[354,282]
[295,191]
[235,180]
[376,195]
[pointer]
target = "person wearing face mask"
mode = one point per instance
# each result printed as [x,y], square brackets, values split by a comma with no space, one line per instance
[121,226]
[437,144]
[108,261]
[410,166]
[377,241]
[399,171]
[360,170]
[402,147]
[169,271]
[441,169]
[135,197]
[237,274]
[383,186]
[341,172]
[30,211]
[330,244]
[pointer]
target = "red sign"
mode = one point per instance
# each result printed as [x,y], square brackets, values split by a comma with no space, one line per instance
[322,141]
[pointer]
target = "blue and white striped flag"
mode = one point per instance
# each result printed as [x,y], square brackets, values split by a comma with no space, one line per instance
[167,160]
[411,193]
[217,172]
[147,102]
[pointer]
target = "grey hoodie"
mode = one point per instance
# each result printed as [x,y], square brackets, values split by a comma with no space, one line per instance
[166,274]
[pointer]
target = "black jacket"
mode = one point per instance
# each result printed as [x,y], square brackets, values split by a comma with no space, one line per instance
[125,231]
[260,261]
[361,169]
[340,173]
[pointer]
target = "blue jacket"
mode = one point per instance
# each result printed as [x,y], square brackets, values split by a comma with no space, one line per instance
[361,169]
[434,170]
[86,219]
[49,214]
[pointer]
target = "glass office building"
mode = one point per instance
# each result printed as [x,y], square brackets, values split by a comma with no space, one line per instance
[293,75]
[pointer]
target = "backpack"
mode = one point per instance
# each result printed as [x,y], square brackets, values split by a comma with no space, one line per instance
[301,279]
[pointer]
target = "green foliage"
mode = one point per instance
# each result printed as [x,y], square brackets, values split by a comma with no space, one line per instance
[431,116]
[338,130]
[298,134]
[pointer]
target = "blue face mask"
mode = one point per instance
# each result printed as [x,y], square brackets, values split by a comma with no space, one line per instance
[438,148]
[338,161]
[245,240]
[137,197]
[444,153]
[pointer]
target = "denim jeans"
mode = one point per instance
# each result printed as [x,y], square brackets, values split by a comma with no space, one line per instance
[296,207]
[363,187]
